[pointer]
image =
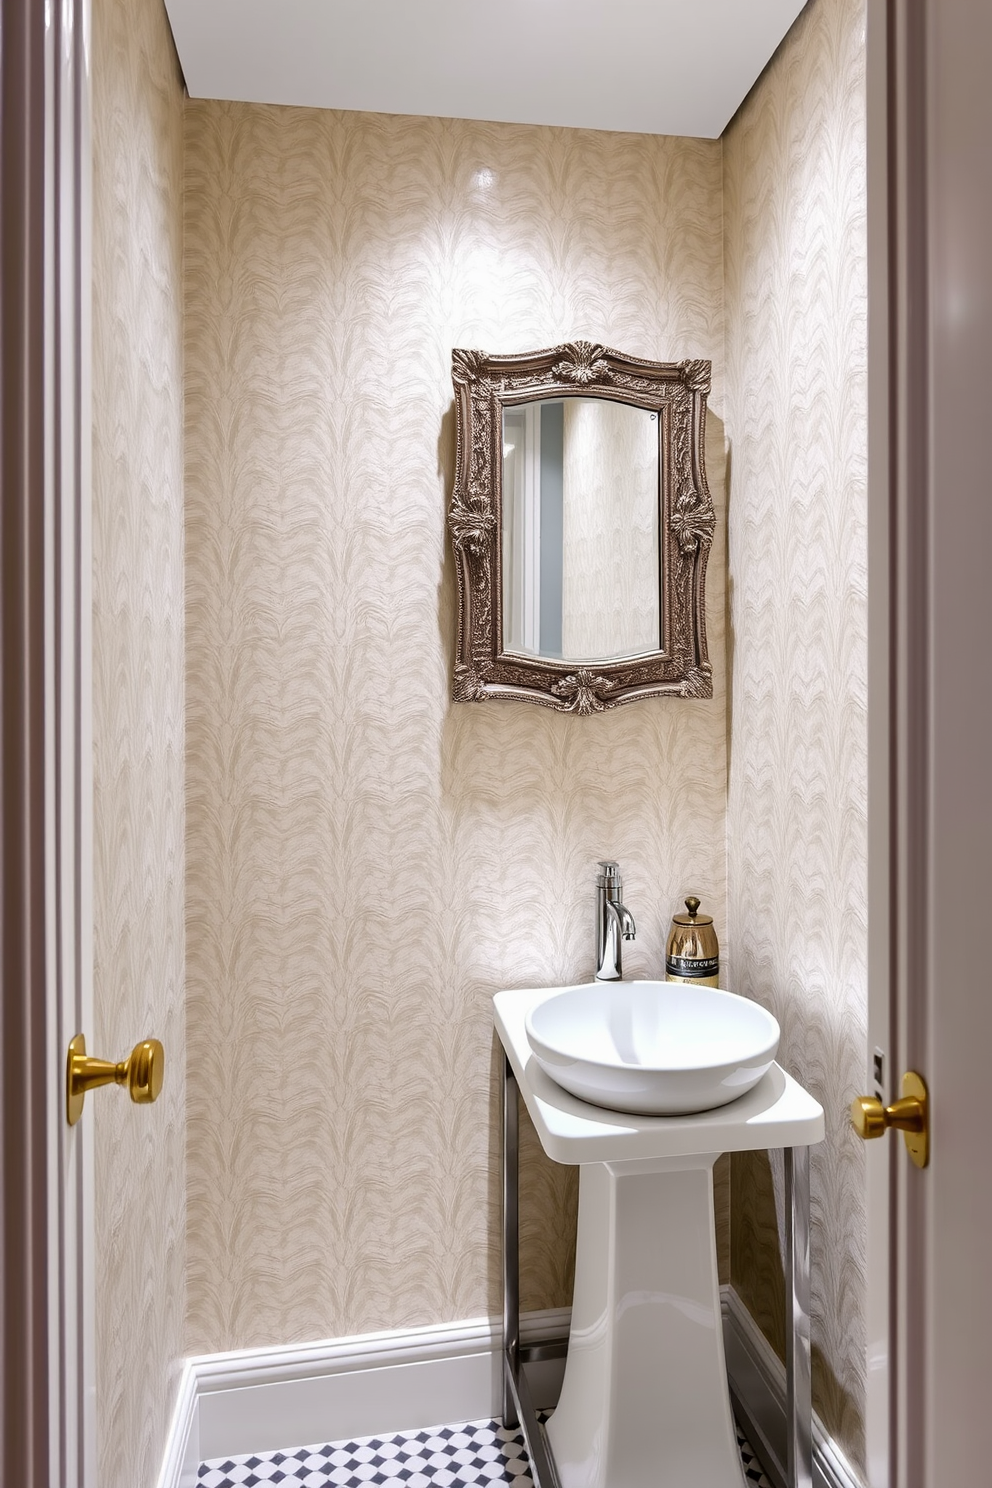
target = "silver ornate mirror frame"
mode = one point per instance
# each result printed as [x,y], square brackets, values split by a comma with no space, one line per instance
[484,386]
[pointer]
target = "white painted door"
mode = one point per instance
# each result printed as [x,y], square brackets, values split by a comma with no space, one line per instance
[941,267]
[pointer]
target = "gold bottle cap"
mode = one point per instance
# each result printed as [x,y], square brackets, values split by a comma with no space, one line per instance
[693,917]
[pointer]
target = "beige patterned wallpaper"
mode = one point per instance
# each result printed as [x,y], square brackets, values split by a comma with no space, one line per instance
[138,726]
[368,863]
[796,420]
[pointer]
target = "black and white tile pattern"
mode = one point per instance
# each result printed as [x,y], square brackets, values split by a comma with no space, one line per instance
[479,1454]
[750,1463]
[468,1456]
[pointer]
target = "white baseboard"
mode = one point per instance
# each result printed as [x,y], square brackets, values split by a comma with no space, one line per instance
[257,1400]
[182,1451]
[757,1384]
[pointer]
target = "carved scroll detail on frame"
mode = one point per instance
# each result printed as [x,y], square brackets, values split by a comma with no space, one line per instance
[584,691]
[484,385]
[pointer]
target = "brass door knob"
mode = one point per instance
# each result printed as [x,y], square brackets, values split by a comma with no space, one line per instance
[910,1115]
[141,1072]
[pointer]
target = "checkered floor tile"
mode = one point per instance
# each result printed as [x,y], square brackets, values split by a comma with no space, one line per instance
[480,1454]
[750,1463]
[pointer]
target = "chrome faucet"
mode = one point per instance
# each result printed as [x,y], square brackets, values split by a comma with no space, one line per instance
[614,922]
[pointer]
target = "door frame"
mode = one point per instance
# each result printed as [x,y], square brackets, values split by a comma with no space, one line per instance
[879,1054]
[908,688]
[46,1355]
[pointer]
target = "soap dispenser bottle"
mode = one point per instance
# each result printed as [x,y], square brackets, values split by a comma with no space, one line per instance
[693,952]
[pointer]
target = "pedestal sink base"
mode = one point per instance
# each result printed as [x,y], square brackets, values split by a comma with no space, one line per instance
[645,1402]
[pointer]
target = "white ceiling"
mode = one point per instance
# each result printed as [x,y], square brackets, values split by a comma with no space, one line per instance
[649,66]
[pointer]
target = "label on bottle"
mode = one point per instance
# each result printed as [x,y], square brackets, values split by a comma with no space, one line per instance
[692,968]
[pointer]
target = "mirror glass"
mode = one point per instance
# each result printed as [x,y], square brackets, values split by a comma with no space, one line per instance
[581,550]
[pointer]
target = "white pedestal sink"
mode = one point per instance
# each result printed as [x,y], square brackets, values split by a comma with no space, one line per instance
[645,1401]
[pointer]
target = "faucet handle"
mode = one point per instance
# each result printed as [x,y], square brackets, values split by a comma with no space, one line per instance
[609,875]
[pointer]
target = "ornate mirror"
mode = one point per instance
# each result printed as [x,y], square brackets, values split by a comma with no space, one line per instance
[581,524]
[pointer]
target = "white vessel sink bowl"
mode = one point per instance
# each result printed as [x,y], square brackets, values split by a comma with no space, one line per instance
[655,1048]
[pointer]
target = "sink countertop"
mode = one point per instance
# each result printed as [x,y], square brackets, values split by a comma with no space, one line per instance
[778,1112]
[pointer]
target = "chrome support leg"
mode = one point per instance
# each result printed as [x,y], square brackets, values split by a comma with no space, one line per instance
[798,1375]
[511,1248]
[517,1404]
